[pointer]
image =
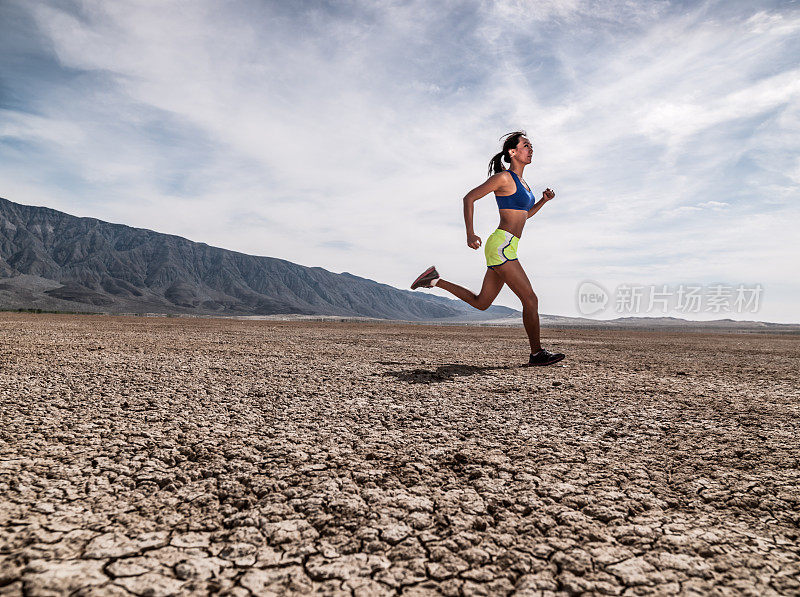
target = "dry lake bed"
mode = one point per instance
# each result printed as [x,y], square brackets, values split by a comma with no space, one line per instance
[161,456]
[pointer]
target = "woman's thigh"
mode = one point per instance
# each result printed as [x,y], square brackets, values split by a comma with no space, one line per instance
[491,287]
[511,273]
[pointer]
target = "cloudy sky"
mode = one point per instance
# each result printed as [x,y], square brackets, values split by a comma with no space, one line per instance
[345,134]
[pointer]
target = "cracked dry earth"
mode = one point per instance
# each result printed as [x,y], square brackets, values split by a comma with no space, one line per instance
[197,456]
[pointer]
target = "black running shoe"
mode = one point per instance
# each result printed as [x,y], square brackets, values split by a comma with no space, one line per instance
[544,357]
[425,278]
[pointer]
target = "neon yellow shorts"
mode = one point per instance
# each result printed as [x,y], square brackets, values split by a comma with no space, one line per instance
[501,246]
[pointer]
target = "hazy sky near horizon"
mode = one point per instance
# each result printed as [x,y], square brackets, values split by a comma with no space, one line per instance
[345,134]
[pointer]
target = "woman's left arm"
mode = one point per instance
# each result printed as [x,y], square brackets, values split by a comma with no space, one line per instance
[546,196]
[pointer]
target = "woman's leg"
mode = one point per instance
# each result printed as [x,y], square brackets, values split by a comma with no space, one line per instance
[511,273]
[492,284]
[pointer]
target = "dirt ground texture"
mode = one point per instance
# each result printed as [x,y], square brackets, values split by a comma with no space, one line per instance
[166,456]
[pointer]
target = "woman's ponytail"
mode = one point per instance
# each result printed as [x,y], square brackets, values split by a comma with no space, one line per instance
[496,163]
[511,141]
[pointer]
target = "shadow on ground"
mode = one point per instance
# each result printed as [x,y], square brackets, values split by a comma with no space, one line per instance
[441,373]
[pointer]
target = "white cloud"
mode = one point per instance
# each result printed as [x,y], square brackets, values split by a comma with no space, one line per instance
[771,23]
[715,205]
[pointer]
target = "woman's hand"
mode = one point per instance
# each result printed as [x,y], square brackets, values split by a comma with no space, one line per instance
[473,241]
[548,194]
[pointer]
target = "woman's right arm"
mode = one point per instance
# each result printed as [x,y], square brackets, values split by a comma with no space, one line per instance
[493,183]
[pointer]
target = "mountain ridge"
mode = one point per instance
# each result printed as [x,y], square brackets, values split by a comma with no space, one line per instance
[50,260]
[53,260]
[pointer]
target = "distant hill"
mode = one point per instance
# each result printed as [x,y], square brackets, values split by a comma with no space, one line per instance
[657,324]
[54,261]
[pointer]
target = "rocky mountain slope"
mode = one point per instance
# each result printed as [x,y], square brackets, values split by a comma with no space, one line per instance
[52,260]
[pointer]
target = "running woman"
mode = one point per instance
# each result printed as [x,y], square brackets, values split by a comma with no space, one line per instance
[516,204]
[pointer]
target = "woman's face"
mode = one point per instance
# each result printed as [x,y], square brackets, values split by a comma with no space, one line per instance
[523,151]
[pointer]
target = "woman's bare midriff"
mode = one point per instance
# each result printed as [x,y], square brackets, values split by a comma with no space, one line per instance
[513,221]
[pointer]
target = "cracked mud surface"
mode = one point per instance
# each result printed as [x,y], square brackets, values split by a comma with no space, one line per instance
[174,456]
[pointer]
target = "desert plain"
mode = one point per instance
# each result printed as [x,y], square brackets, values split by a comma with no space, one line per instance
[175,456]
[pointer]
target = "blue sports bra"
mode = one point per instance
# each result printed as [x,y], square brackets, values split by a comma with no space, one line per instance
[522,199]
